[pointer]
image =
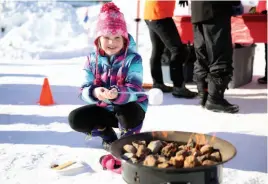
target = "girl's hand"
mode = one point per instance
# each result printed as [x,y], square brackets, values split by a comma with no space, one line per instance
[100,93]
[112,94]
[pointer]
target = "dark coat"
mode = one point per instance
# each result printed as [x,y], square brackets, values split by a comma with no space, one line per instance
[207,10]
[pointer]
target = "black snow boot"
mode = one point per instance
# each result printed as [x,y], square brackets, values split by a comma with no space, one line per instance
[107,134]
[162,87]
[215,101]
[176,75]
[183,92]
[202,88]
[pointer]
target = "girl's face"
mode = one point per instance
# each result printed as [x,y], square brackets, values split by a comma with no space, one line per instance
[111,44]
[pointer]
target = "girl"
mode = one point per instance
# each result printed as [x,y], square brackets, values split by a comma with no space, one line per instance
[114,68]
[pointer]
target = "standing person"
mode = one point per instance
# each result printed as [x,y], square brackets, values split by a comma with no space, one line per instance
[263,80]
[163,33]
[114,67]
[213,47]
[261,8]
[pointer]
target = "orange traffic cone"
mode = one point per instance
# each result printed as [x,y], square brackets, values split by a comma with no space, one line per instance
[46,95]
[147,85]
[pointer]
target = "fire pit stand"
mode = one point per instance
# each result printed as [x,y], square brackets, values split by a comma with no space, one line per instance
[140,174]
[133,175]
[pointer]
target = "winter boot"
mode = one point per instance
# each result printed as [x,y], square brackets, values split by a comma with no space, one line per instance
[215,101]
[176,75]
[262,80]
[107,134]
[183,92]
[202,87]
[127,132]
[162,87]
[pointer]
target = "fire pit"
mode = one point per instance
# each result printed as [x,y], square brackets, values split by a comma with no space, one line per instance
[144,172]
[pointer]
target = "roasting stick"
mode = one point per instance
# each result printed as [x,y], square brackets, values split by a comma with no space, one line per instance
[63,166]
[134,92]
[153,90]
[155,95]
[137,93]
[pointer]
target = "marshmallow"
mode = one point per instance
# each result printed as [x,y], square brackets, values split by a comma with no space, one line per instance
[155,96]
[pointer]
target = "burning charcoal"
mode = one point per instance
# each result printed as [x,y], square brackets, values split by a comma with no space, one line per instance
[163,165]
[142,151]
[128,156]
[216,156]
[191,161]
[155,146]
[208,162]
[180,157]
[177,161]
[182,147]
[137,143]
[195,152]
[182,152]
[202,158]
[134,160]
[189,152]
[130,149]
[162,159]
[169,150]
[206,149]
[190,143]
[199,146]
[150,160]
[164,143]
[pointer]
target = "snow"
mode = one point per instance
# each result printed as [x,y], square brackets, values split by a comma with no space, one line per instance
[37,29]
[32,136]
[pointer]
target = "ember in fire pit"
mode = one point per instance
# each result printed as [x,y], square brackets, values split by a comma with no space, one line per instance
[172,158]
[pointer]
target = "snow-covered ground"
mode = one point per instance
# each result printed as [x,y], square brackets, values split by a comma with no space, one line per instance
[33,136]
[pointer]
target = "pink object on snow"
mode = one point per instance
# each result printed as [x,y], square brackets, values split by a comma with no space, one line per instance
[111,163]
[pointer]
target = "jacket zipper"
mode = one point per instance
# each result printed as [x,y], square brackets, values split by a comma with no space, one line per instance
[109,72]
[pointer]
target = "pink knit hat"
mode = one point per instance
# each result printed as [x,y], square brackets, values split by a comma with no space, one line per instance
[111,22]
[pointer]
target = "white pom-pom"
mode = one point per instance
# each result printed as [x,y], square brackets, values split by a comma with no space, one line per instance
[155,96]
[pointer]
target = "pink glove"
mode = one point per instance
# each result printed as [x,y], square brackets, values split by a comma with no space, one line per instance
[111,163]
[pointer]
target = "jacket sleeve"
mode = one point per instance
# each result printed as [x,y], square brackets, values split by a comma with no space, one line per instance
[86,93]
[133,82]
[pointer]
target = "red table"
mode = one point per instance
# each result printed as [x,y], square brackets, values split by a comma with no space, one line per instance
[246,29]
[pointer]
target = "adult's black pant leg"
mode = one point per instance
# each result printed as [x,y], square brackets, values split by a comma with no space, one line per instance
[168,33]
[202,62]
[86,118]
[129,115]
[201,65]
[217,34]
[157,51]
